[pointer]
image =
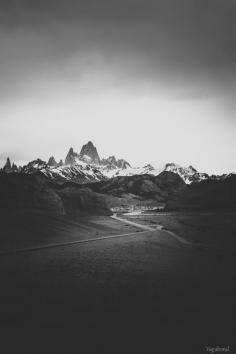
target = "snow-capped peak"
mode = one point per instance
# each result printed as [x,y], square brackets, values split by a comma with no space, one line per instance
[87,166]
[188,174]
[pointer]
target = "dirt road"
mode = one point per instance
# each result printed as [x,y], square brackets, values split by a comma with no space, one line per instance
[153,228]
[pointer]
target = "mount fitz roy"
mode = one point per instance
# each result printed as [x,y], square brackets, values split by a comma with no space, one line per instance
[87,166]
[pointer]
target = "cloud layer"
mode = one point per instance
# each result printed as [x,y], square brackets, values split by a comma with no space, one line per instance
[61,55]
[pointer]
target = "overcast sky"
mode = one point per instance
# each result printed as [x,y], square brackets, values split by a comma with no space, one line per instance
[146,80]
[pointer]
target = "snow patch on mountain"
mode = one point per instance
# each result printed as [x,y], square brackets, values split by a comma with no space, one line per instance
[131,171]
[79,172]
[87,166]
[188,174]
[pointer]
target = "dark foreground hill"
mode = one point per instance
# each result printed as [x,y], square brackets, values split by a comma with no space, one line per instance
[79,198]
[24,191]
[206,195]
[19,191]
[33,192]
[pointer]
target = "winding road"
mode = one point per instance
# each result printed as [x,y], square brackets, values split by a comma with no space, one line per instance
[156,228]
[146,229]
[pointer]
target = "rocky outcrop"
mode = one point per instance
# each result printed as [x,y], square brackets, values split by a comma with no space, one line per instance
[52,162]
[34,166]
[89,154]
[109,162]
[112,163]
[79,172]
[7,167]
[188,174]
[121,163]
[71,157]
[15,168]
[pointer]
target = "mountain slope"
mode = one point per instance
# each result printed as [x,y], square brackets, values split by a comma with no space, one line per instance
[89,154]
[32,193]
[143,187]
[209,195]
[78,172]
[188,174]
[26,192]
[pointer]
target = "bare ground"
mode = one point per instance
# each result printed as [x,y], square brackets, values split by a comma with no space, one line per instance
[142,294]
[22,230]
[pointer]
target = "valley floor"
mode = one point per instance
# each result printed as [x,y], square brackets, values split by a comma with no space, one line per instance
[144,294]
[36,229]
[216,229]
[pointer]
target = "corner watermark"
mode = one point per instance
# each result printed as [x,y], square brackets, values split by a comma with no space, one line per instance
[217,349]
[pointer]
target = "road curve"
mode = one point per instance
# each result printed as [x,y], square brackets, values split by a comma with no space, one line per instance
[144,227]
[157,227]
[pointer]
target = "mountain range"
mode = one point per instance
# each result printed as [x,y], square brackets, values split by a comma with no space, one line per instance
[87,166]
[84,183]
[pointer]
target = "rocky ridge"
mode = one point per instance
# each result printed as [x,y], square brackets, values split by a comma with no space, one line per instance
[87,166]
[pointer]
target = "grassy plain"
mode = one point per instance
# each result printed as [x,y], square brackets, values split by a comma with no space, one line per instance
[210,228]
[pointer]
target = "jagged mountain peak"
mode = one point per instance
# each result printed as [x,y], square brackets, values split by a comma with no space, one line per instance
[89,153]
[52,162]
[37,163]
[71,151]
[111,159]
[188,174]
[192,168]
[71,157]
[8,162]
[7,167]
[123,164]
[113,164]
[87,165]
[90,143]
[172,165]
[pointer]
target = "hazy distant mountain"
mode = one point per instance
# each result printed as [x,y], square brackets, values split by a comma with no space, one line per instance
[87,166]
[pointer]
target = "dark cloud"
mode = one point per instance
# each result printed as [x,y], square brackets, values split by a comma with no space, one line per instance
[175,43]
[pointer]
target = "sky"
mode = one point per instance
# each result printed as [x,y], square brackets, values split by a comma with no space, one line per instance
[150,81]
